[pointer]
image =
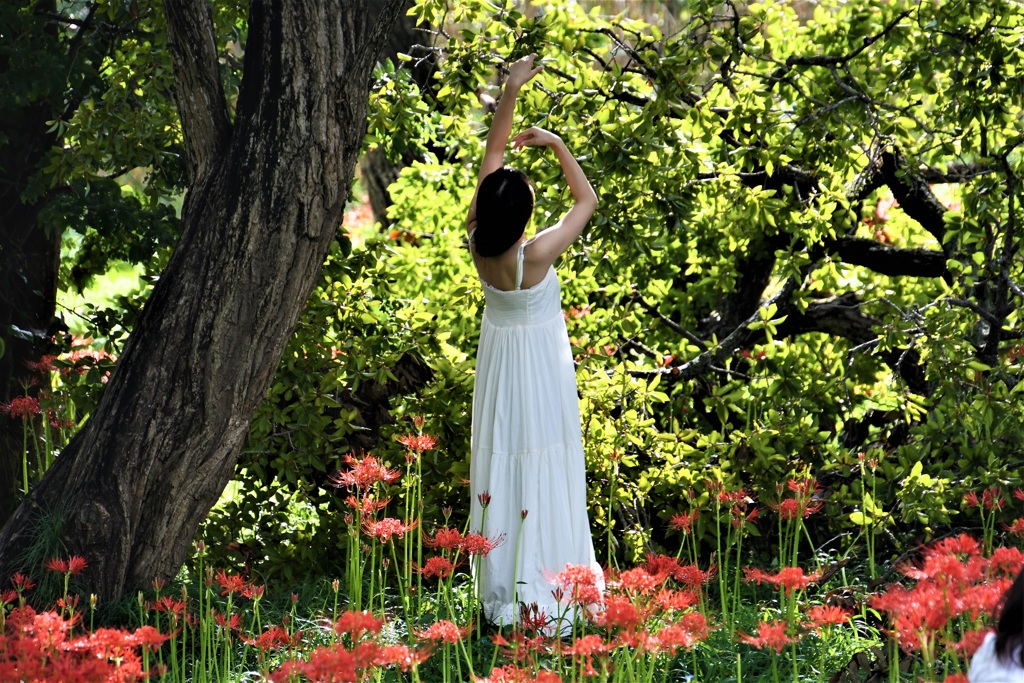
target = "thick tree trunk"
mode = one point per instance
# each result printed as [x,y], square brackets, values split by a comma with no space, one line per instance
[267,198]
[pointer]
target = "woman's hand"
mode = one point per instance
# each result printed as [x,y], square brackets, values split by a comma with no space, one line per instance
[535,137]
[522,70]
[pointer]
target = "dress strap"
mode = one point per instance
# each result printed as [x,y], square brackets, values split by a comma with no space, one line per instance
[519,267]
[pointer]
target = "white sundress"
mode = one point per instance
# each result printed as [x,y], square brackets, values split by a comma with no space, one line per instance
[986,667]
[527,450]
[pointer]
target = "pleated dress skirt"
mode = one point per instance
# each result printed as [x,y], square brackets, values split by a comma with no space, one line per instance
[527,452]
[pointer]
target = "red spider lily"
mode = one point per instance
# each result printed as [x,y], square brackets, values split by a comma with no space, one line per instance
[484,497]
[740,515]
[273,638]
[43,366]
[511,673]
[584,649]
[1018,494]
[8,596]
[803,488]
[1016,528]
[22,407]
[638,581]
[170,605]
[438,566]
[332,663]
[789,578]
[739,497]
[683,522]
[992,498]
[947,568]
[827,615]
[231,623]
[918,613]
[385,528]
[691,629]
[367,505]
[73,565]
[591,644]
[445,539]
[364,473]
[692,576]
[444,631]
[478,545]
[580,582]
[675,601]
[355,624]
[619,613]
[418,443]
[956,678]
[983,598]
[956,545]
[253,592]
[523,647]
[37,646]
[229,583]
[795,508]
[1008,561]
[661,567]
[22,582]
[769,634]
[147,637]
[70,602]
[401,656]
[532,619]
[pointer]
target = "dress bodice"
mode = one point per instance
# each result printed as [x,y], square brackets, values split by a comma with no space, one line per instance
[524,307]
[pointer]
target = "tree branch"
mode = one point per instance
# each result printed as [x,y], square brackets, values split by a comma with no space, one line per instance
[915,196]
[198,90]
[955,173]
[858,251]
[826,60]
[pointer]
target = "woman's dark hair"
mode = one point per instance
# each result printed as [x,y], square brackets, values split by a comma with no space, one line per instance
[1010,627]
[504,204]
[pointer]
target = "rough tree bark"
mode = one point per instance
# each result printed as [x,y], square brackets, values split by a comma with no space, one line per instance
[264,204]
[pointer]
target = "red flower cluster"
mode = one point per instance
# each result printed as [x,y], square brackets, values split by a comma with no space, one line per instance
[73,565]
[991,499]
[953,579]
[417,443]
[444,631]
[769,634]
[22,408]
[789,578]
[804,501]
[39,646]
[363,473]
[579,583]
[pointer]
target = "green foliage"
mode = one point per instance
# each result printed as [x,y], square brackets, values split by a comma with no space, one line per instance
[730,159]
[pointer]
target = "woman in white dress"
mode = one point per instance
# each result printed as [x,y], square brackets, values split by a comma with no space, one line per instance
[1000,659]
[527,467]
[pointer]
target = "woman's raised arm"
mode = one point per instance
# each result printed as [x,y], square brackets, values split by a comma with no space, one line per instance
[519,74]
[549,244]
